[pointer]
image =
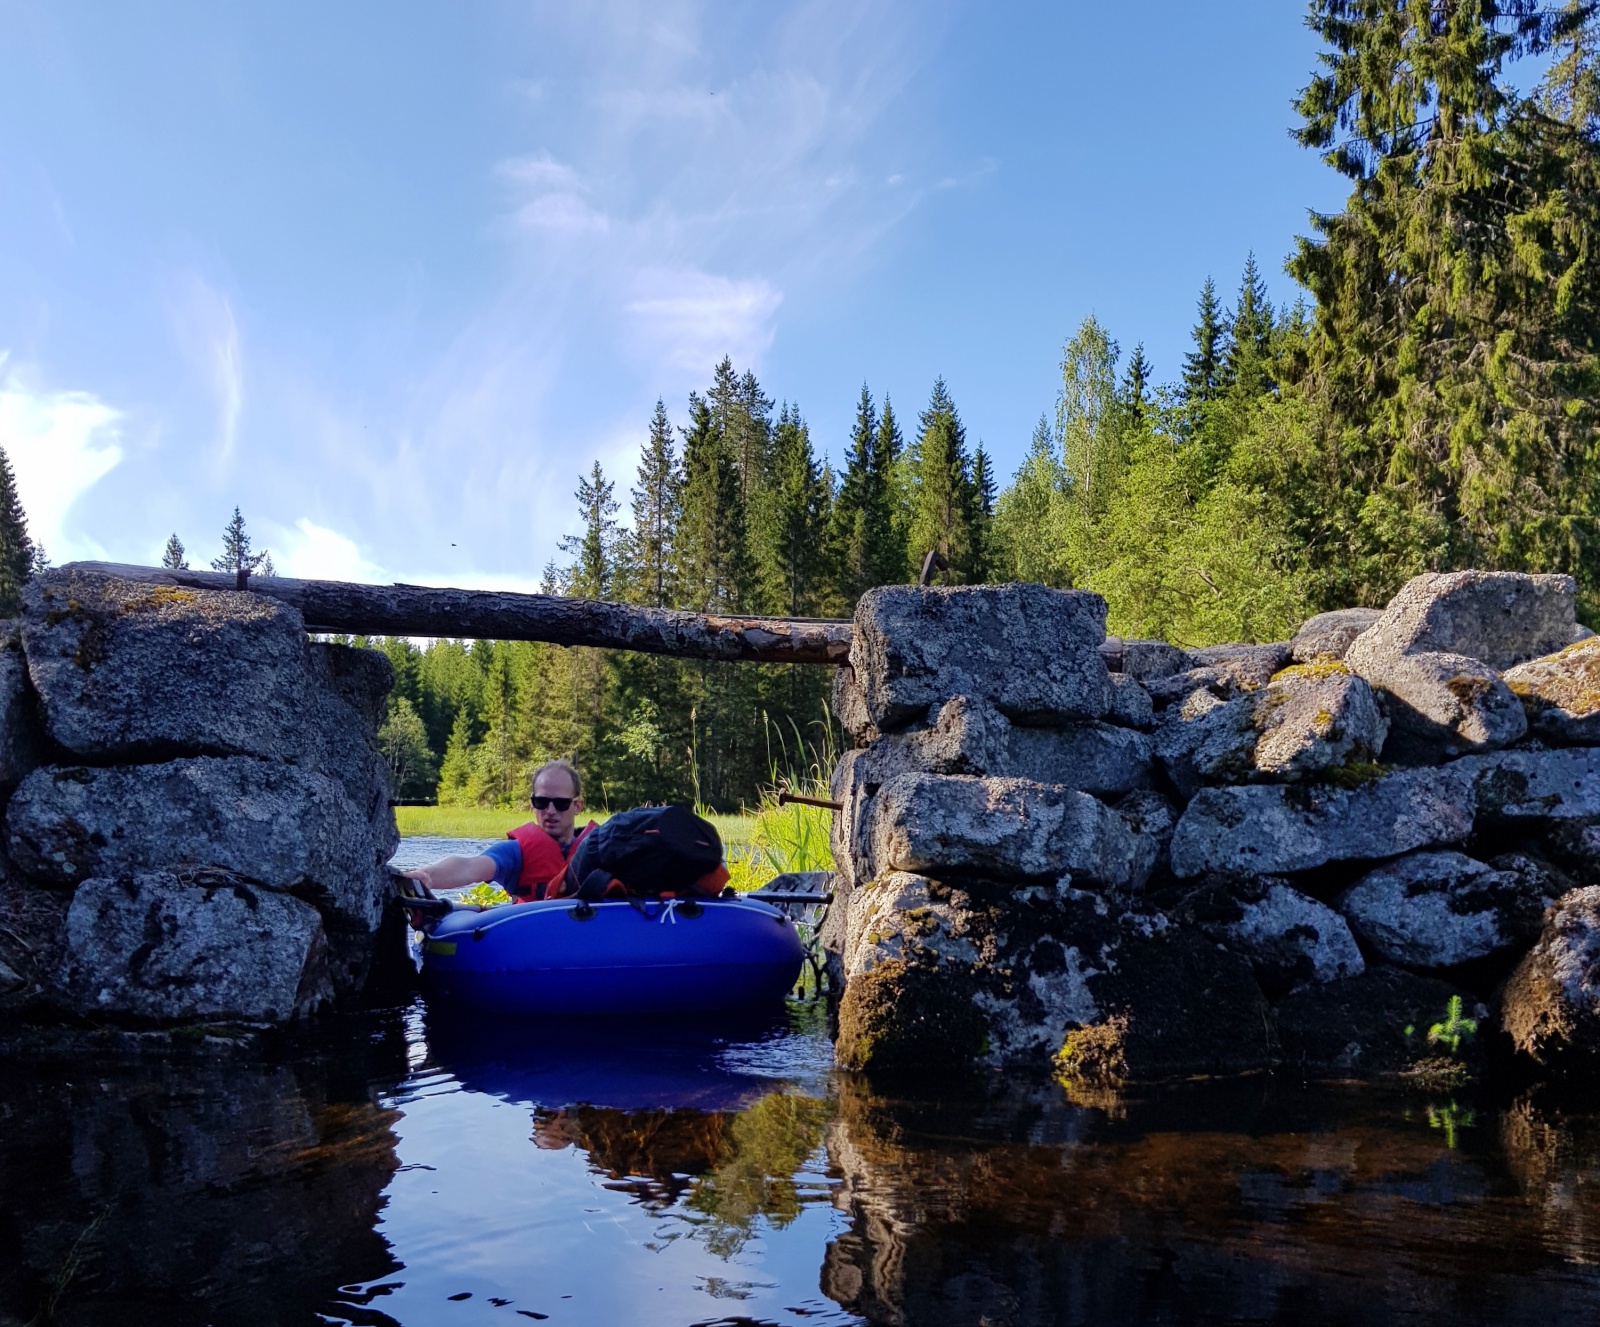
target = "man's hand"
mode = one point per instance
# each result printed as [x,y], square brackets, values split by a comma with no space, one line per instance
[422,876]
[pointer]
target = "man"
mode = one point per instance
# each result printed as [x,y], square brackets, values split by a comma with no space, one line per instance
[531,863]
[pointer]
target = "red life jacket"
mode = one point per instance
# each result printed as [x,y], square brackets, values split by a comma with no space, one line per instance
[544,866]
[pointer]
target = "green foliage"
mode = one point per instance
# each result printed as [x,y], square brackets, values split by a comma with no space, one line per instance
[1453,1029]
[173,557]
[16,549]
[767,1144]
[413,770]
[487,895]
[236,552]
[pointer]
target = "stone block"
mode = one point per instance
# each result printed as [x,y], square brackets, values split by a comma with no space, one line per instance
[1328,636]
[946,978]
[1434,910]
[1227,671]
[1551,1005]
[847,838]
[1152,819]
[348,694]
[21,738]
[1289,938]
[850,707]
[1002,829]
[1358,1025]
[1441,705]
[1498,617]
[276,825]
[1309,720]
[205,945]
[1267,829]
[1536,788]
[1560,694]
[1030,651]
[972,737]
[1148,660]
[128,671]
[1131,705]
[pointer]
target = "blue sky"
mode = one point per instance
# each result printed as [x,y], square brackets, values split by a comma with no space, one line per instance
[390,276]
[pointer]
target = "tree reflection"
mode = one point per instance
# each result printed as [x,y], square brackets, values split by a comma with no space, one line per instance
[737,1169]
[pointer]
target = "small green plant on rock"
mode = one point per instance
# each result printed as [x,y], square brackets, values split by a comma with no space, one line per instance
[1437,1072]
[1454,1029]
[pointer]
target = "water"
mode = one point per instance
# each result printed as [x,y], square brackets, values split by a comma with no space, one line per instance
[396,1168]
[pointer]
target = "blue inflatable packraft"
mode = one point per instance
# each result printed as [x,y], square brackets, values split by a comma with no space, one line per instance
[629,956]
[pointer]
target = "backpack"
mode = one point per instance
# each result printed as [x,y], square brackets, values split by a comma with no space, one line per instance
[650,851]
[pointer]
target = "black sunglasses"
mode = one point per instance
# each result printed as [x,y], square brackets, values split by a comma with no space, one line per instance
[560,803]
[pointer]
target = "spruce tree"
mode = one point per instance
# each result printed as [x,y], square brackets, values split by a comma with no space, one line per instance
[594,570]
[236,554]
[16,549]
[1202,367]
[657,504]
[793,557]
[173,558]
[942,498]
[982,494]
[849,528]
[1136,383]
[888,513]
[1246,361]
[1458,325]
[712,540]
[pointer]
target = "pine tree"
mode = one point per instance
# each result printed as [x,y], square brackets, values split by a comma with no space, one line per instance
[657,505]
[1203,365]
[593,573]
[236,555]
[16,549]
[942,495]
[173,558]
[1246,360]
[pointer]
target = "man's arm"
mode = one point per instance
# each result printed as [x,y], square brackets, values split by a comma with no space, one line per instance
[455,872]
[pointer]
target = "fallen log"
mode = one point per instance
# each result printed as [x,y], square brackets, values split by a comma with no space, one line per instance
[343,607]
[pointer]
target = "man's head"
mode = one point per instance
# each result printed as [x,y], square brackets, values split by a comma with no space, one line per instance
[556,800]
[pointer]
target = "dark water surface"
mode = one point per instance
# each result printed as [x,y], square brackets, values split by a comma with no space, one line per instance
[396,1169]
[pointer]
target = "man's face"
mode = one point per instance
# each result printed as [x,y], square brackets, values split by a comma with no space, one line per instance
[557,824]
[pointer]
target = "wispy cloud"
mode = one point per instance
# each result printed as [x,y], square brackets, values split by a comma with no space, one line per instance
[61,445]
[690,319]
[207,333]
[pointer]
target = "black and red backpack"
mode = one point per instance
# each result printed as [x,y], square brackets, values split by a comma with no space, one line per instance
[650,851]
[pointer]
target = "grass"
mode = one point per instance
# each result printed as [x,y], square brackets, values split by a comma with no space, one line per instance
[488,822]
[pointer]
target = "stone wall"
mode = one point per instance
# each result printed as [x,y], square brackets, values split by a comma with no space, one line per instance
[196,814]
[1167,862]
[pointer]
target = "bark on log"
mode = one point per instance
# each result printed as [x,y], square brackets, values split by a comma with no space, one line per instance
[421,610]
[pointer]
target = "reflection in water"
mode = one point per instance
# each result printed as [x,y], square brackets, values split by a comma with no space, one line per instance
[191,1187]
[1221,1204]
[403,1171]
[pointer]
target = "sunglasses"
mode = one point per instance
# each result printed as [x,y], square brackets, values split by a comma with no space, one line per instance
[560,803]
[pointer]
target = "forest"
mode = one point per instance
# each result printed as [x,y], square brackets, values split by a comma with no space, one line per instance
[1429,401]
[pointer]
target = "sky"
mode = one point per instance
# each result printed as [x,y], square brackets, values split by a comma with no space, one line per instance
[390,276]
